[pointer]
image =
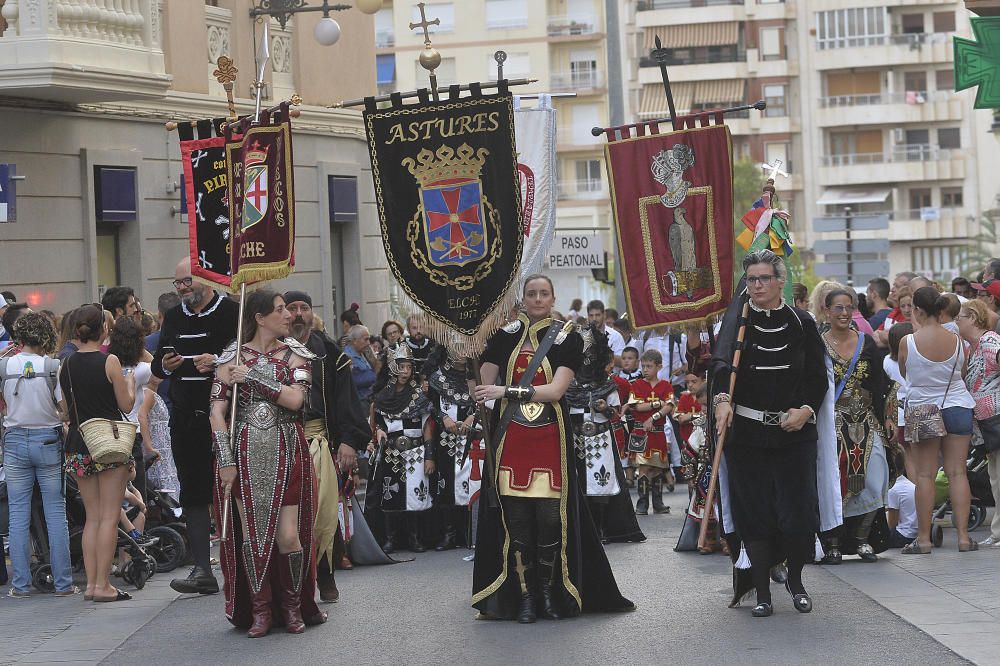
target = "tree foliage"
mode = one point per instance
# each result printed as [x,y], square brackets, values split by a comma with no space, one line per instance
[982,246]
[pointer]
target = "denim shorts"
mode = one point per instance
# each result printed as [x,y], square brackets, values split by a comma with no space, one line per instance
[957,420]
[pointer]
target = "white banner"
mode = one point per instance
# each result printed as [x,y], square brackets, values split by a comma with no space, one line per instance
[535,135]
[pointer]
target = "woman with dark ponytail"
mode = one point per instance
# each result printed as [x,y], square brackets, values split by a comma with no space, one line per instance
[933,362]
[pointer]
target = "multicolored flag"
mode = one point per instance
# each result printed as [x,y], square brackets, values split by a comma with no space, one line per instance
[766,229]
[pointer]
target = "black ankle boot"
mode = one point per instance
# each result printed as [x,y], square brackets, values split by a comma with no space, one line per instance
[548,558]
[833,555]
[447,541]
[524,569]
[415,545]
[657,492]
[389,545]
[642,505]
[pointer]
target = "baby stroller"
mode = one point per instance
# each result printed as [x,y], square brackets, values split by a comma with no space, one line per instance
[163,523]
[141,564]
[982,496]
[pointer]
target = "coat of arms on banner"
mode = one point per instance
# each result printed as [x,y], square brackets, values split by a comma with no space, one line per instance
[673,202]
[448,194]
[255,194]
[454,206]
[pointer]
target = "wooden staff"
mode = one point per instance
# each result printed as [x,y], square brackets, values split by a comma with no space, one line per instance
[717,458]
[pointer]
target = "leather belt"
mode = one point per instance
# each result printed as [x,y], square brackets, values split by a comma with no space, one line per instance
[404,443]
[765,417]
[590,428]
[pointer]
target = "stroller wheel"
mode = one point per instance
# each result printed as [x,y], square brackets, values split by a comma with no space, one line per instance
[937,536]
[128,572]
[42,578]
[977,515]
[139,575]
[170,552]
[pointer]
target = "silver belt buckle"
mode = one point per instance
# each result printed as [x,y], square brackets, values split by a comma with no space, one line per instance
[403,442]
[589,428]
[773,418]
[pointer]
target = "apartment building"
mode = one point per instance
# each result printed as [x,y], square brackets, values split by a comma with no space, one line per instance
[861,108]
[563,44]
[85,89]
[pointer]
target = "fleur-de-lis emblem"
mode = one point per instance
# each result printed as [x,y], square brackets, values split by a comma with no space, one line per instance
[465,486]
[602,476]
[442,482]
[389,488]
[421,491]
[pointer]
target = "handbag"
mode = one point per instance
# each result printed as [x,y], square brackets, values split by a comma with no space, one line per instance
[990,430]
[109,442]
[637,442]
[925,421]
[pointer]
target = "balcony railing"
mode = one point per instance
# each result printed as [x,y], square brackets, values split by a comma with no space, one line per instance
[569,26]
[582,189]
[385,39]
[647,5]
[913,40]
[908,97]
[734,54]
[580,80]
[82,50]
[913,152]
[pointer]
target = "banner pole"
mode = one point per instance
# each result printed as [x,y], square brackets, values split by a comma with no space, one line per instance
[232,406]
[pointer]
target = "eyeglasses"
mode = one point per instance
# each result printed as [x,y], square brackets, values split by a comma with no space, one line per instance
[842,309]
[762,280]
[183,282]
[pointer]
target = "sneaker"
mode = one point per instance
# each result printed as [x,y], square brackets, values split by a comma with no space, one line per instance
[146,541]
[990,541]
[15,593]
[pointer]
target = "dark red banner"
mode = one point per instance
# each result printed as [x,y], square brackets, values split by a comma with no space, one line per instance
[673,202]
[261,198]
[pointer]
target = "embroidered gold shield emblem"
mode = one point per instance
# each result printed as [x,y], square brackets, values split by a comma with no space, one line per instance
[532,410]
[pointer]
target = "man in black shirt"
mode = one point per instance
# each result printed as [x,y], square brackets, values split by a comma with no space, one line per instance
[420,345]
[335,425]
[771,450]
[192,336]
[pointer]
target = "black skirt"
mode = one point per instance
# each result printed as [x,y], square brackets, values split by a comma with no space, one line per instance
[772,491]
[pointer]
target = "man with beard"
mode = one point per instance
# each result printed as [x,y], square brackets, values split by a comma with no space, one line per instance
[420,345]
[333,414]
[193,334]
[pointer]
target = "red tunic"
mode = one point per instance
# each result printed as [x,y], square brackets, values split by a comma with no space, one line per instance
[656,442]
[687,404]
[530,451]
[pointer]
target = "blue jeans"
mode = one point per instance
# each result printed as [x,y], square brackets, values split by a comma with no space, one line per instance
[957,420]
[30,454]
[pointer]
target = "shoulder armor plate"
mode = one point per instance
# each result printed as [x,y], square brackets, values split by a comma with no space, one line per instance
[300,349]
[513,327]
[566,329]
[228,354]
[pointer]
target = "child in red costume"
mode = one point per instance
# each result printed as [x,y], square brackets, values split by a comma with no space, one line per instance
[652,401]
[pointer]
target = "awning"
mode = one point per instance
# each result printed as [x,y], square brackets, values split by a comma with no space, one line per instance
[692,35]
[845,197]
[723,91]
[385,68]
[654,103]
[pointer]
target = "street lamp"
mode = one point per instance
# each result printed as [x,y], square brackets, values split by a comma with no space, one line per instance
[327,30]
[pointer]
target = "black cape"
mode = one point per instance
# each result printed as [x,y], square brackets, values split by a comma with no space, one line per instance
[588,584]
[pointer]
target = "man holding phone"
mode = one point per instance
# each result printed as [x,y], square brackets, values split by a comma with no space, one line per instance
[193,334]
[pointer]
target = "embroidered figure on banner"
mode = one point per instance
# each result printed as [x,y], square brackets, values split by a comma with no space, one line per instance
[255,199]
[668,169]
[459,225]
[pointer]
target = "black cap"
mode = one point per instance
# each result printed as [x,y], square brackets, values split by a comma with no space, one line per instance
[293,296]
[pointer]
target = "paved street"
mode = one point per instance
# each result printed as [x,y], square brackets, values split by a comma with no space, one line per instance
[418,613]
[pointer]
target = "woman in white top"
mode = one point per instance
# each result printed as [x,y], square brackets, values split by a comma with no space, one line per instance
[933,363]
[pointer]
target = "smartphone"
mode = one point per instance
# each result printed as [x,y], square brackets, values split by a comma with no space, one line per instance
[169,350]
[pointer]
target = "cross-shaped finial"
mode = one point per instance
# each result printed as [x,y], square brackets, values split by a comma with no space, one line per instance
[424,24]
[773,169]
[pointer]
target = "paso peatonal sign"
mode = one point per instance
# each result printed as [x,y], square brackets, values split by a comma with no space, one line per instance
[448,193]
[580,251]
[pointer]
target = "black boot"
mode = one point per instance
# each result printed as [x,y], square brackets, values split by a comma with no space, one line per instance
[525,569]
[328,591]
[642,505]
[389,545]
[199,581]
[597,512]
[548,558]
[447,541]
[657,492]
[833,555]
[415,545]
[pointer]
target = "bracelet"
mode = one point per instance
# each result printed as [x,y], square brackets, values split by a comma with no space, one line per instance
[223,448]
[519,393]
[656,404]
[720,398]
[657,416]
[269,387]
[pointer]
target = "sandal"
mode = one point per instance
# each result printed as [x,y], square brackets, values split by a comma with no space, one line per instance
[914,548]
[120,596]
[69,593]
[968,548]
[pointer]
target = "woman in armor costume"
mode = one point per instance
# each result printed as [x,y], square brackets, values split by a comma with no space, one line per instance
[859,391]
[458,444]
[268,473]
[593,406]
[403,450]
[535,536]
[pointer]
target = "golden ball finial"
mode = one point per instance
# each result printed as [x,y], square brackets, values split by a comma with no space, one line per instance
[430,59]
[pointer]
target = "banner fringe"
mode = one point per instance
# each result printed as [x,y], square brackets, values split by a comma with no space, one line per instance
[253,274]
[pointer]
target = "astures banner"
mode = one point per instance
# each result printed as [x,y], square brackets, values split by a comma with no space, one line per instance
[204,162]
[672,195]
[261,198]
[448,193]
[535,129]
